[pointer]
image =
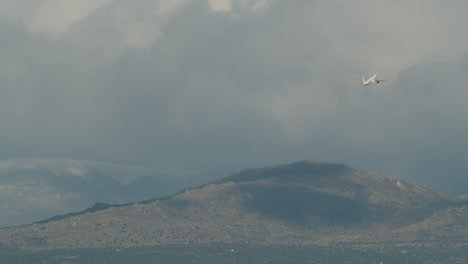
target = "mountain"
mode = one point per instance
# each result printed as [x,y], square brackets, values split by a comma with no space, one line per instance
[304,203]
[34,189]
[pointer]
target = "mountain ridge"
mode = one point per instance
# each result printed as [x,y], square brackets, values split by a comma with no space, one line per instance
[35,189]
[303,203]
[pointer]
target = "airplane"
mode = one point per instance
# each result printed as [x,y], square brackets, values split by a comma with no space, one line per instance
[371,80]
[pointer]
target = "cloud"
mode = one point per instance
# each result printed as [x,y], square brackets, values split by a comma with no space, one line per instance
[123,24]
[252,6]
[50,17]
[53,17]
[221,5]
[139,23]
[183,84]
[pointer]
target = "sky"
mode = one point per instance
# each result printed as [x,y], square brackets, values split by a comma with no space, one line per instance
[203,84]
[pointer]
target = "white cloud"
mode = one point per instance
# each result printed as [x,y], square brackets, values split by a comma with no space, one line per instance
[123,25]
[256,6]
[53,17]
[18,8]
[221,5]
[50,17]
[139,23]
[243,6]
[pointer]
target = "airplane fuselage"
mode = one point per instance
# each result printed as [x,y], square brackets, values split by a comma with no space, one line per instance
[371,80]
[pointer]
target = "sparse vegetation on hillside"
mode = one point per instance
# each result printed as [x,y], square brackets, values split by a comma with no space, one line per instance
[302,204]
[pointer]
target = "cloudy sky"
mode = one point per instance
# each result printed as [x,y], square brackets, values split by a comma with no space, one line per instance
[239,83]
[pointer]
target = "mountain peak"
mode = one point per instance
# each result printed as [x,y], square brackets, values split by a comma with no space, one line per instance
[292,172]
[300,203]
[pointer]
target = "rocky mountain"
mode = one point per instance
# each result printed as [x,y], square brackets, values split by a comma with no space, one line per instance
[304,203]
[34,189]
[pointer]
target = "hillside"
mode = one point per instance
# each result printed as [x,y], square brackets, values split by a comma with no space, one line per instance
[304,203]
[34,189]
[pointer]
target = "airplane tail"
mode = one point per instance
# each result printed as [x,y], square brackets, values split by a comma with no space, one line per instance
[363,79]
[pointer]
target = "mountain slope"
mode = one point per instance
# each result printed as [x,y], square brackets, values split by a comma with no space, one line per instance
[302,203]
[33,189]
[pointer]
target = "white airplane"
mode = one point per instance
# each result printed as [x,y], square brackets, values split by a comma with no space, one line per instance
[371,80]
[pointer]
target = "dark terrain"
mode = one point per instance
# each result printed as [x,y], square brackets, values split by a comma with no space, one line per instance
[235,253]
[304,212]
[35,189]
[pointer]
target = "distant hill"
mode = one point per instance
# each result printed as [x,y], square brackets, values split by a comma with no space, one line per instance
[304,203]
[34,189]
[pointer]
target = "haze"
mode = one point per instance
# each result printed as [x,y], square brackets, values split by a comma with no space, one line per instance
[196,84]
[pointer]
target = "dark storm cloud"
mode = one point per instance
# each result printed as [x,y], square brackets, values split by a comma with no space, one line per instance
[200,94]
[188,86]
